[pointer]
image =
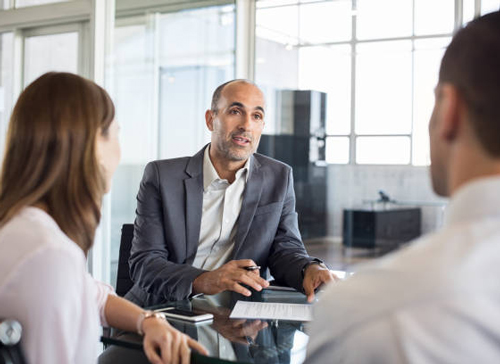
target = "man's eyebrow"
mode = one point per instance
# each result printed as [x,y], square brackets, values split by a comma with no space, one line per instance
[239,104]
[236,103]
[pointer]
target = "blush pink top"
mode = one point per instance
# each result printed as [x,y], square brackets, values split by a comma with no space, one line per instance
[44,284]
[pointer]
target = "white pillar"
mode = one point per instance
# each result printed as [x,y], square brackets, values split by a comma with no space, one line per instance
[100,68]
[245,39]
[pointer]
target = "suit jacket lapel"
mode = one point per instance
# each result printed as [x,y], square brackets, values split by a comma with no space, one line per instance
[194,203]
[251,200]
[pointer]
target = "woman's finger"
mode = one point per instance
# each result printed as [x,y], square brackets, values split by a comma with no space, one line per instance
[174,344]
[197,346]
[149,350]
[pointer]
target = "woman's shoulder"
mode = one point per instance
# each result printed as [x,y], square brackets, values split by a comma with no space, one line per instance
[33,226]
[33,235]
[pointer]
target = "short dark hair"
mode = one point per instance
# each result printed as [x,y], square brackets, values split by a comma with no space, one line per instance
[218,92]
[472,64]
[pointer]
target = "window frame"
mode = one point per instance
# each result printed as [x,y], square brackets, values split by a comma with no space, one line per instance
[354,43]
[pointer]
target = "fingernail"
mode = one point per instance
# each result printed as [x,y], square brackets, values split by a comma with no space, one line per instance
[248,293]
[259,288]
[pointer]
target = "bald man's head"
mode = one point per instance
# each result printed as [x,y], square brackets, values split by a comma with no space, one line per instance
[218,92]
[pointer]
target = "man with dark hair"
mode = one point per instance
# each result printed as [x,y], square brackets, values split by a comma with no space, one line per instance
[218,220]
[438,300]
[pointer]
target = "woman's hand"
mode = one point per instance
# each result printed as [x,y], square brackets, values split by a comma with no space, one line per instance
[164,344]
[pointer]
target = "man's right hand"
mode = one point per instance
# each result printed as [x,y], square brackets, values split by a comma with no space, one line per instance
[229,277]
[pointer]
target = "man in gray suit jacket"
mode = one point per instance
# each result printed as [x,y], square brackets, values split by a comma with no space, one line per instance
[204,222]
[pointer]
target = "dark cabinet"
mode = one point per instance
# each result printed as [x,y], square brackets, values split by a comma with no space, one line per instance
[300,144]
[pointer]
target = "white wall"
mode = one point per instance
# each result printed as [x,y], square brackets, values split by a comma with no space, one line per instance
[349,185]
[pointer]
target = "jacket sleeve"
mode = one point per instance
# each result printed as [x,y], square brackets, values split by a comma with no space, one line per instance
[288,255]
[150,267]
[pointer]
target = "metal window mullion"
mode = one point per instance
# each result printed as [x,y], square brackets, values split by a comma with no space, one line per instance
[84,65]
[477,8]
[18,63]
[379,40]
[352,136]
[459,14]
[383,135]
[274,6]
[127,8]
[153,53]
[412,83]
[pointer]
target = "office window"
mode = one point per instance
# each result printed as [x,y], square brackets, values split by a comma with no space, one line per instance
[377,61]
[468,11]
[383,88]
[166,67]
[487,6]
[426,60]
[383,150]
[63,55]
[378,19]
[336,82]
[337,150]
[191,67]
[434,17]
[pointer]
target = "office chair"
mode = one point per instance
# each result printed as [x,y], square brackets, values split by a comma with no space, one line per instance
[10,346]
[123,280]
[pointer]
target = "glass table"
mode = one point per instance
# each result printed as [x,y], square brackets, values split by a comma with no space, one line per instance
[227,340]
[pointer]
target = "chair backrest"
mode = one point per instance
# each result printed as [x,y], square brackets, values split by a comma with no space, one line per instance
[10,346]
[123,280]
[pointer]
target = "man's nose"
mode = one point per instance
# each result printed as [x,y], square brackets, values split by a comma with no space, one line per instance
[246,122]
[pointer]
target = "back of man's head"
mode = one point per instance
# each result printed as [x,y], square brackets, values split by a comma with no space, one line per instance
[472,64]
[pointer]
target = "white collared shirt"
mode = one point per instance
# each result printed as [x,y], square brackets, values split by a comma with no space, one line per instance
[219,220]
[436,301]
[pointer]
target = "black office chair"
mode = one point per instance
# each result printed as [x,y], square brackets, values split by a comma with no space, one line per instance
[123,280]
[10,346]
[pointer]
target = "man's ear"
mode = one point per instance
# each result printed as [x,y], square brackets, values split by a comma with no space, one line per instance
[451,110]
[209,120]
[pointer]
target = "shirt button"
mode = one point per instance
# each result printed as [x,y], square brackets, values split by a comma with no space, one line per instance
[226,221]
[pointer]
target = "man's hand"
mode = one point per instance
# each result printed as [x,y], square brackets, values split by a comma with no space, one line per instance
[229,277]
[314,276]
[238,331]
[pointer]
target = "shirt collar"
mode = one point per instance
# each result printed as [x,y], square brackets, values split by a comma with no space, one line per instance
[210,173]
[478,199]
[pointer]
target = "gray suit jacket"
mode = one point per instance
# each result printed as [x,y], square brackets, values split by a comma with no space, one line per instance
[168,218]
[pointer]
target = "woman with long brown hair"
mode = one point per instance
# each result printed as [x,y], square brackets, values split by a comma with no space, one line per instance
[61,152]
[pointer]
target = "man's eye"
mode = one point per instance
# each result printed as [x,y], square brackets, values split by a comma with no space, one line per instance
[258,116]
[234,111]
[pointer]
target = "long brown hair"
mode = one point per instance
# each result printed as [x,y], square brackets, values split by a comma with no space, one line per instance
[50,154]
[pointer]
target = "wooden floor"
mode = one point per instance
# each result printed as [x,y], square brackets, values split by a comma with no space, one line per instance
[338,257]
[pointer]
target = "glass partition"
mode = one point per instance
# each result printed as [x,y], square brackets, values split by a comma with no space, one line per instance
[163,83]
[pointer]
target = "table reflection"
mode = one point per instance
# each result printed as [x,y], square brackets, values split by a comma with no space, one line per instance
[228,340]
